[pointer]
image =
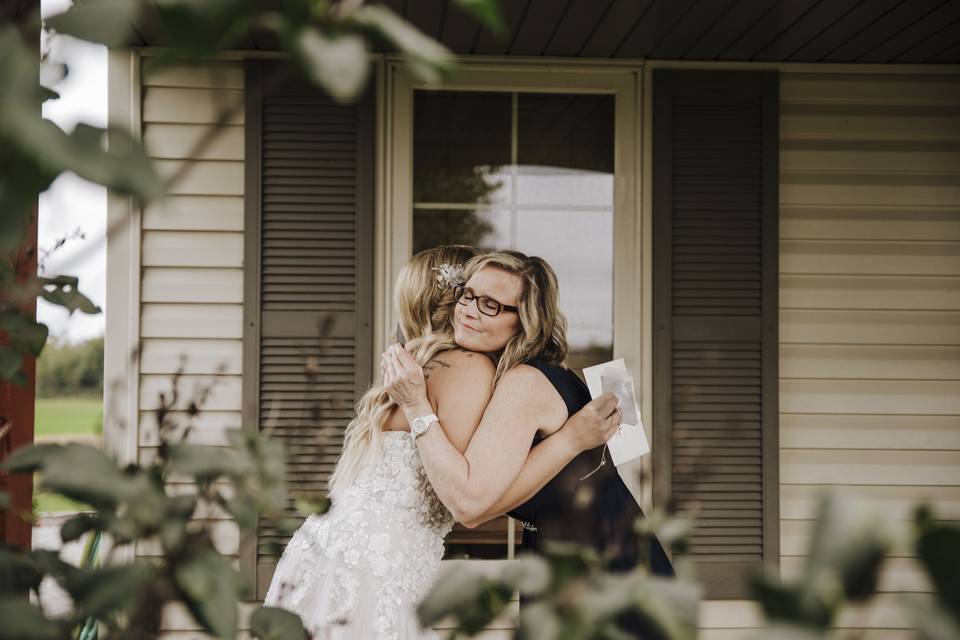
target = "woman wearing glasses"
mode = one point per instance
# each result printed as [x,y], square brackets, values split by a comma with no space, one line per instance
[508,309]
[359,570]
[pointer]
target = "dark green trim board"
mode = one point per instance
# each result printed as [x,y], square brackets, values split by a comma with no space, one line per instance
[365,190]
[250,403]
[715,316]
[308,280]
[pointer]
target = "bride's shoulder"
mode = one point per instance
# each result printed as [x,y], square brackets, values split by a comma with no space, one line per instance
[460,364]
[460,357]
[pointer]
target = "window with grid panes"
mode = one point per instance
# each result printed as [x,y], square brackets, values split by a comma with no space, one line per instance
[531,172]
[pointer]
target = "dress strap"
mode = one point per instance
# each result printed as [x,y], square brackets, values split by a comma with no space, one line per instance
[574,393]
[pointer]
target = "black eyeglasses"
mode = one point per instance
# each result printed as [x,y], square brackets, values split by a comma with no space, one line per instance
[485,304]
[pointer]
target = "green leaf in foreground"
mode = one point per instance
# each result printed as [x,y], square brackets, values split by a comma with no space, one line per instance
[210,586]
[78,525]
[62,291]
[116,588]
[10,363]
[427,58]
[86,474]
[272,623]
[24,621]
[29,458]
[196,29]
[18,573]
[104,21]
[938,548]
[474,598]
[336,62]
[487,12]
[24,332]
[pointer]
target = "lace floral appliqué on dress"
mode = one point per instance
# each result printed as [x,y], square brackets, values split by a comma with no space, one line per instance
[359,570]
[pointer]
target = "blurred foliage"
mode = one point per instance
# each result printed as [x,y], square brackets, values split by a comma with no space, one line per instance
[138,503]
[846,551]
[71,369]
[937,545]
[572,597]
[329,42]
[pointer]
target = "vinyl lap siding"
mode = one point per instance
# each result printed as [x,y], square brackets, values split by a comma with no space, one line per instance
[192,247]
[869,318]
[191,310]
[869,308]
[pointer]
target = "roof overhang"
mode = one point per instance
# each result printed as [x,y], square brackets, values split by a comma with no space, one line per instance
[802,31]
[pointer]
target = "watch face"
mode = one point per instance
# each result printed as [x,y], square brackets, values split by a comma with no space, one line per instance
[421,424]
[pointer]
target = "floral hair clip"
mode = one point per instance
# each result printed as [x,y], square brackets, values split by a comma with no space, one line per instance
[449,275]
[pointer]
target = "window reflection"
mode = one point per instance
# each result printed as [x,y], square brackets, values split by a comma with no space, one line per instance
[461,140]
[565,150]
[482,228]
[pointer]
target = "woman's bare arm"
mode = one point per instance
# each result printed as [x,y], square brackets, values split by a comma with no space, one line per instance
[549,457]
[498,471]
[469,483]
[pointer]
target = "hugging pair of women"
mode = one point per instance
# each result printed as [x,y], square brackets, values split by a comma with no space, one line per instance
[475,417]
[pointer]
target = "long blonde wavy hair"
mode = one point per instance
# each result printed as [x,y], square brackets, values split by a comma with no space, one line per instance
[425,306]
[426,317]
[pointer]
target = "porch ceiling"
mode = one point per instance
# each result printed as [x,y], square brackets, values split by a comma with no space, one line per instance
[832,31]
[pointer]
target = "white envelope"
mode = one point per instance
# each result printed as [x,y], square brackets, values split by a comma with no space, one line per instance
[631,440]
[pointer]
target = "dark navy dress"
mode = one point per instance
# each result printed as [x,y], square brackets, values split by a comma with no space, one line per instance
[598,511]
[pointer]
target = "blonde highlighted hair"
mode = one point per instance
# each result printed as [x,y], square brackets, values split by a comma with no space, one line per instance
[424,303]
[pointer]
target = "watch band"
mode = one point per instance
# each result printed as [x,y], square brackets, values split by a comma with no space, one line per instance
[419,425]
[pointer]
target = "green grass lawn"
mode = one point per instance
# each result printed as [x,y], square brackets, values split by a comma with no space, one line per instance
[69,416]
[63,418]
[54,502]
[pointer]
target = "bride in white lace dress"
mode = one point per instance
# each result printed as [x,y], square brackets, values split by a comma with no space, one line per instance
[360,570]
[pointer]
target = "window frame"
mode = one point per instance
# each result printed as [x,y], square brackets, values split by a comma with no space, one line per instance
[393,235]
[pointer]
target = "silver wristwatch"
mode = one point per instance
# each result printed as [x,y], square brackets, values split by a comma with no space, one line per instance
[419,426]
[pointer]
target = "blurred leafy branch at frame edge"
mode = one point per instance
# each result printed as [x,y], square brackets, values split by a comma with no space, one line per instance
[328,43]
[575,597]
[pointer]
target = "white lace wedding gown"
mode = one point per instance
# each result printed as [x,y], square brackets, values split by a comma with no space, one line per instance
[359,570]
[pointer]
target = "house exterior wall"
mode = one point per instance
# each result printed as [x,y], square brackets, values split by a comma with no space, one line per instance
[869,301]
[191,266]
[869,307]
[869,318]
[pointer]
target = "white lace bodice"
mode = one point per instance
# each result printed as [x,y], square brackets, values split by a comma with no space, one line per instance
[374,554]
